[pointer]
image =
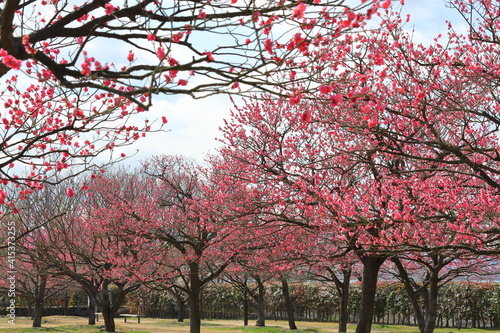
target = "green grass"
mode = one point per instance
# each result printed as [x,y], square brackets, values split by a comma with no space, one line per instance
[267,329]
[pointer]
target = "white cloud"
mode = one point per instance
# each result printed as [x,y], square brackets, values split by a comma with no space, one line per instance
[192,127]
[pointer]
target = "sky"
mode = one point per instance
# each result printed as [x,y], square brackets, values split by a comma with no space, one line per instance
[193,125]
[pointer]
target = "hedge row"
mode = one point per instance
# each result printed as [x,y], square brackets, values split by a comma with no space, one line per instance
[461,304]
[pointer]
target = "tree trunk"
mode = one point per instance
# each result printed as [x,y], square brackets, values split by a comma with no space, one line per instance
[261,314]
[109,319]
[371,267]
[344,300]
[411,294]
[245,305]
[38,305]
[426,323]
[288,304]
[342,287]
[108,314]
[37,314]
[92,308]
[432,301]
[181,309]
[194,298]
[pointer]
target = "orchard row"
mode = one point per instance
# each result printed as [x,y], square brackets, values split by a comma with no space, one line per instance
[357,148]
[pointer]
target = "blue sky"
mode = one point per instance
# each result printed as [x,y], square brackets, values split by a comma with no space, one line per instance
[193,124]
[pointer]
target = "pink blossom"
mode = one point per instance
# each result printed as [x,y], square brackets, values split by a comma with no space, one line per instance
[130,56]
[325,89]
[109,8]
[209,55]
[164,120]
[160,53]
[306,116]
[151,37]
[268,45]
[295,98]
[336,99]
[182,83]
[70,192]
[298,12]
[202,15]
[11,62]
[85,68]
[3,196]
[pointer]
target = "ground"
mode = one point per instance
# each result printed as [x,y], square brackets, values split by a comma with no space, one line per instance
[154,325]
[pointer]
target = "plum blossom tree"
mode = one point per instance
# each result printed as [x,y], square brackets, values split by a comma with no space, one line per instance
[372,203]
[79,245]
[411,137]
[68,102]
[34,283]
[194,214]
[423,275]
[164,45]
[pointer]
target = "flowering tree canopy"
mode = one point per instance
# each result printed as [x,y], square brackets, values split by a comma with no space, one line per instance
[67,99]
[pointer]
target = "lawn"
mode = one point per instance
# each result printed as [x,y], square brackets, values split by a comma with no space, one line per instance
[154,325]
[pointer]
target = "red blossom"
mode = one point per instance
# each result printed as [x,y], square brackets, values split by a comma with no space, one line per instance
[306,116]
[325,89]
[160,53]
[11,62]
[109,8]
[336,99]
[299,11]
[209,55]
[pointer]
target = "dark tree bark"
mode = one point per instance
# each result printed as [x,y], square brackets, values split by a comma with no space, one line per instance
[38,304]
[343,289]
[108,314]
[194,298]
[245,304]
[181,310]
[371,267]
[102,297]
[426,320]
[109,319]
[92,308]
[260,303]
[288,304]
[412,295]
[181,307]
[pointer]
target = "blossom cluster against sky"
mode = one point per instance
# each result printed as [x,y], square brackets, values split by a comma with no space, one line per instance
[193,125]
